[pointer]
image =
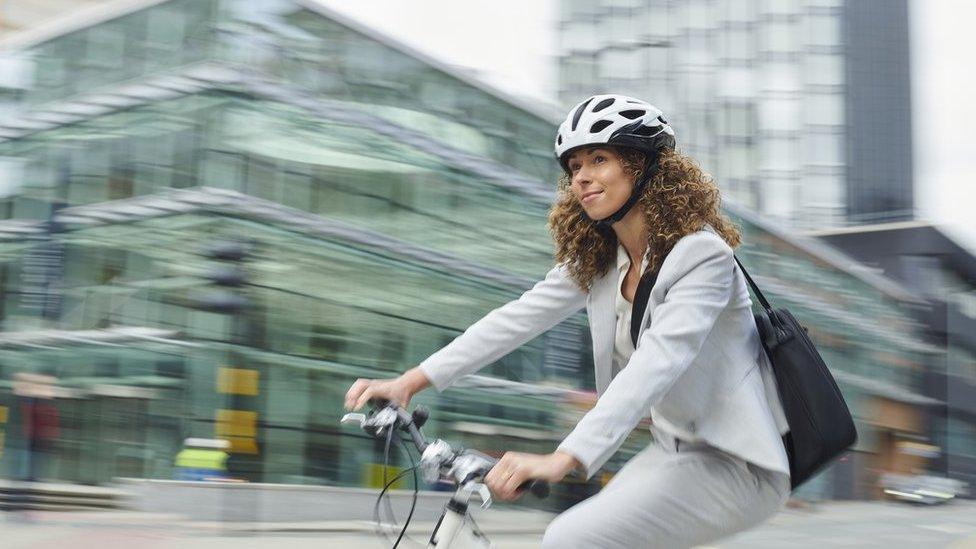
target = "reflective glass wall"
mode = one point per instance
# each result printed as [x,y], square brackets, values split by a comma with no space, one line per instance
[301,49]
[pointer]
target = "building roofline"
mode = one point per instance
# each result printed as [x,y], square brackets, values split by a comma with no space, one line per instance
[72,21]
[829,254]
[957,256]
[874,227]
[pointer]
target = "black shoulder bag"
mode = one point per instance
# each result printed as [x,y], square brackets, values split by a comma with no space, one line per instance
[821,426]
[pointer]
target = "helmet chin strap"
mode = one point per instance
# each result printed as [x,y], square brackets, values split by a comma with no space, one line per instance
[635,195]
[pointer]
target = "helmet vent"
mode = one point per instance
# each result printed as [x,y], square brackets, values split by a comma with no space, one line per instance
[663,121]
[632,115]
[579,113]
[603,104]
[647,131]
[599,126]
[559,139]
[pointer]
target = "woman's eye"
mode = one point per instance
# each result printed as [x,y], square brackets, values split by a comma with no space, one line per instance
[599,159]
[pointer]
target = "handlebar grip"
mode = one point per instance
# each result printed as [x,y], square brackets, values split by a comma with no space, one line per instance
[538,488]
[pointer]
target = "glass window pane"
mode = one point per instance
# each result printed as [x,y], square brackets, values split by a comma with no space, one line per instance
[824,70]
[824,110]
[779,154]
[824,148]
[105,46]
[823,30]
[779,114]
[780,36]
[740,44]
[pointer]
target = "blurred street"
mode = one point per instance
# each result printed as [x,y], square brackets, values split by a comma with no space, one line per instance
[836,524]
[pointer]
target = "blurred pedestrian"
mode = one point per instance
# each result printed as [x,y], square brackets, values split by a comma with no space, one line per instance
[39,421]
[630,206]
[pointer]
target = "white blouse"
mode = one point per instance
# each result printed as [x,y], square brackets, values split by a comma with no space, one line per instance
[623,347]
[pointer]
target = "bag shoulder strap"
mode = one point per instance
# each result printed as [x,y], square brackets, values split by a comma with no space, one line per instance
[643,293]
[755,289]
[641,296]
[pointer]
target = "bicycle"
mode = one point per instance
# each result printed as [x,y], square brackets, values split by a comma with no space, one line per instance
[464,468]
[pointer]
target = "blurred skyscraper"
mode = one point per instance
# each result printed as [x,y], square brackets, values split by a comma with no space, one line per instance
[799,108]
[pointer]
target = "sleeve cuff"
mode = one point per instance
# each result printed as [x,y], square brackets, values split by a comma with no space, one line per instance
[588,462]
[439,381]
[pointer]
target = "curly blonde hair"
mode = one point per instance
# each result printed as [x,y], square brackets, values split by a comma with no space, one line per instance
[679,200]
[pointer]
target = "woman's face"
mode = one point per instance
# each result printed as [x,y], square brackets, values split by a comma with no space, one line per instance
[600,182]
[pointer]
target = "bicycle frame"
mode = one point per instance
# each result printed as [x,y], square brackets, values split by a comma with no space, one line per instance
[454,530]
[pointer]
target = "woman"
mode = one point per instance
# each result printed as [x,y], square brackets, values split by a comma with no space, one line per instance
[627,205]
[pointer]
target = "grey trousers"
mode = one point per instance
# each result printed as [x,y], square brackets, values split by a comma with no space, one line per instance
[672,494]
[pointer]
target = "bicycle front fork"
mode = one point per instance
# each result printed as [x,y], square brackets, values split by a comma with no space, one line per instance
[454,530]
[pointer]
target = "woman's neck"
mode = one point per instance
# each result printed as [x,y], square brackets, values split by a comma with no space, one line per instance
[632,234]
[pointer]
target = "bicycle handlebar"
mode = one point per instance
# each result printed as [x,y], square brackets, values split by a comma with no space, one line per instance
[438,457]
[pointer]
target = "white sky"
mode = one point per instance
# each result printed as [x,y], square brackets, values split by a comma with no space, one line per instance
[944,114]
[512,43]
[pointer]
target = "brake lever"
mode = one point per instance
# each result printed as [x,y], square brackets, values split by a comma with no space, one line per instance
[470,488]
[375,423]
[353,418]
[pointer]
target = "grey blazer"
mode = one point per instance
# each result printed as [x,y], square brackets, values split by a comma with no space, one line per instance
[698,361]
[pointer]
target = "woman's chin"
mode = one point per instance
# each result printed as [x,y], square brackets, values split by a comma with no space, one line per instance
[596,214]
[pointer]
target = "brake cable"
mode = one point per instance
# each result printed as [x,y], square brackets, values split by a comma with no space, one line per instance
[387,485]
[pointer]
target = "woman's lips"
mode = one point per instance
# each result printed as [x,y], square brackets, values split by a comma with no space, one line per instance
[591,196]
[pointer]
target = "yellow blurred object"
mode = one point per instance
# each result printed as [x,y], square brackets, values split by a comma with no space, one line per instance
[237,381]
[373,476]
[202,458]
[242,445]
[239,428]
[236,423]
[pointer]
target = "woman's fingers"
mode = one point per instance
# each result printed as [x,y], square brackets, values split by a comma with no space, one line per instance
[354,392]
[505,478]
[354,398]
[394,390]
[512,484]
[364,397]
[494,480]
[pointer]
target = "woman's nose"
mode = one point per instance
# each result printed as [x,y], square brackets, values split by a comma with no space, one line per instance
[581,177]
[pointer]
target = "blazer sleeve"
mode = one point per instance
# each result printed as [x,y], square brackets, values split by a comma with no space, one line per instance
[546,304]
[702,271]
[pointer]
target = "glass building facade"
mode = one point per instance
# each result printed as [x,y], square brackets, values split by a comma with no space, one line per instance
[387,204]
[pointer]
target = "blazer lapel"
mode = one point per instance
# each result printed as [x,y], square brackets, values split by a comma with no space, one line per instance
[603,323]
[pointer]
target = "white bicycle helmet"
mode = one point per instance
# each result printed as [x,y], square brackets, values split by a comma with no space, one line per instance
[618,121]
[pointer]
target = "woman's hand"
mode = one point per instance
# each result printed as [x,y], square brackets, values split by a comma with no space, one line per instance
[515,468]
[398,390]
